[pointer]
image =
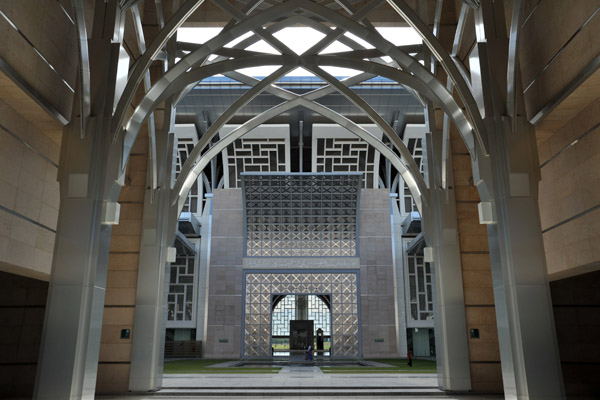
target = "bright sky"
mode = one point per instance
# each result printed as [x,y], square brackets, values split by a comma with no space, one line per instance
[291,37]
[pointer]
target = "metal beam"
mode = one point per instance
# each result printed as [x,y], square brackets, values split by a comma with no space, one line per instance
[143,64]
[407,62]
[444,59]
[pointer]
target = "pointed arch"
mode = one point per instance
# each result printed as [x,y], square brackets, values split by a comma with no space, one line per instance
[197,165]
[130,131]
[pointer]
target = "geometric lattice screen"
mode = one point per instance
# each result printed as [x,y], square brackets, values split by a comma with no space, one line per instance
[336,149]
[341,286]
[265,148]
[254,155]
[301,215]
[347,155]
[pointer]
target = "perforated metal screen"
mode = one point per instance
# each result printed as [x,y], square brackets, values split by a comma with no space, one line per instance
[301,215]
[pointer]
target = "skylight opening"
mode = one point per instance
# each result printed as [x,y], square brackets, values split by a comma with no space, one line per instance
[400,36]
[300,72]
[262,71]
[341,72]
[360,41]
[262,47]
[299,39]
[336,47]
[197,35]
[239,39]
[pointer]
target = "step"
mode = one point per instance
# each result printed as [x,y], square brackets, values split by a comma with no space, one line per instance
[300,392]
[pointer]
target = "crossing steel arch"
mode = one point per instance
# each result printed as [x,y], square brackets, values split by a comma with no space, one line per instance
[192,167]
[129,132]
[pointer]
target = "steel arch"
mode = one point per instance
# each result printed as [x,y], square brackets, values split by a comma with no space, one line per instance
[322,12]
[191,169]
[185,182]
[404,78]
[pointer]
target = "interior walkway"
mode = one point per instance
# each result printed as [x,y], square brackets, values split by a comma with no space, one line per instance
[301,382]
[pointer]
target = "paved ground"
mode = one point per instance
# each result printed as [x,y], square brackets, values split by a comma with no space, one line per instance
[300,382]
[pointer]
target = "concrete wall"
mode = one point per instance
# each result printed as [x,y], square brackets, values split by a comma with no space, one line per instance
[224,320]
[22,306]
[377,302]
[484,353]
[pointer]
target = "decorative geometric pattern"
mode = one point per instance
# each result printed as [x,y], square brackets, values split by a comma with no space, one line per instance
[415,146]
[420,289]
[259,291]
[254,155]
[184,148]
[347,155]
[180,300]
[301,215]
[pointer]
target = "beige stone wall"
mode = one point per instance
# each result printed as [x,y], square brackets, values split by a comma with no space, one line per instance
[58,48]
[377,302]
[224,319]
[559,43]
[115,353]
[555,47]
[569,195]
[29,195]
[484,353]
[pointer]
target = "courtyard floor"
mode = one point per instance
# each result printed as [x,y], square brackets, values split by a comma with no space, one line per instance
[299,381]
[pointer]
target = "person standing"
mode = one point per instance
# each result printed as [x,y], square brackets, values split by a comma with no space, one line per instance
[409,356]
[310,353]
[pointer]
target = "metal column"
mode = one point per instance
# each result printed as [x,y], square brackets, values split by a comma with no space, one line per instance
[203,271]
[147,351]
[441,232]
[68,362]
[507,181]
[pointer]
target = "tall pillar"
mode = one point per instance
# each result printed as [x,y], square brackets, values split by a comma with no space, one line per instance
[203,271]
[70,345]
[147,352]
[399,293]
[73,321]
[527,336]
[441,232]
[508,184]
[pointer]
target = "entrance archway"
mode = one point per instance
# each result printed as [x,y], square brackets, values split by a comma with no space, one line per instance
[342,287]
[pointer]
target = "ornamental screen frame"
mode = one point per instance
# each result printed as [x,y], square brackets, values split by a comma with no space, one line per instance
[414,139]
[420,288]
[181,298]
[343,287]
[265,148]
[301,215]
[186,140]
[336,149]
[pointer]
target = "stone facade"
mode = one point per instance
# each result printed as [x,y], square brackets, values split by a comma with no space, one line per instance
[224,319]
[377,275]
[225,301]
